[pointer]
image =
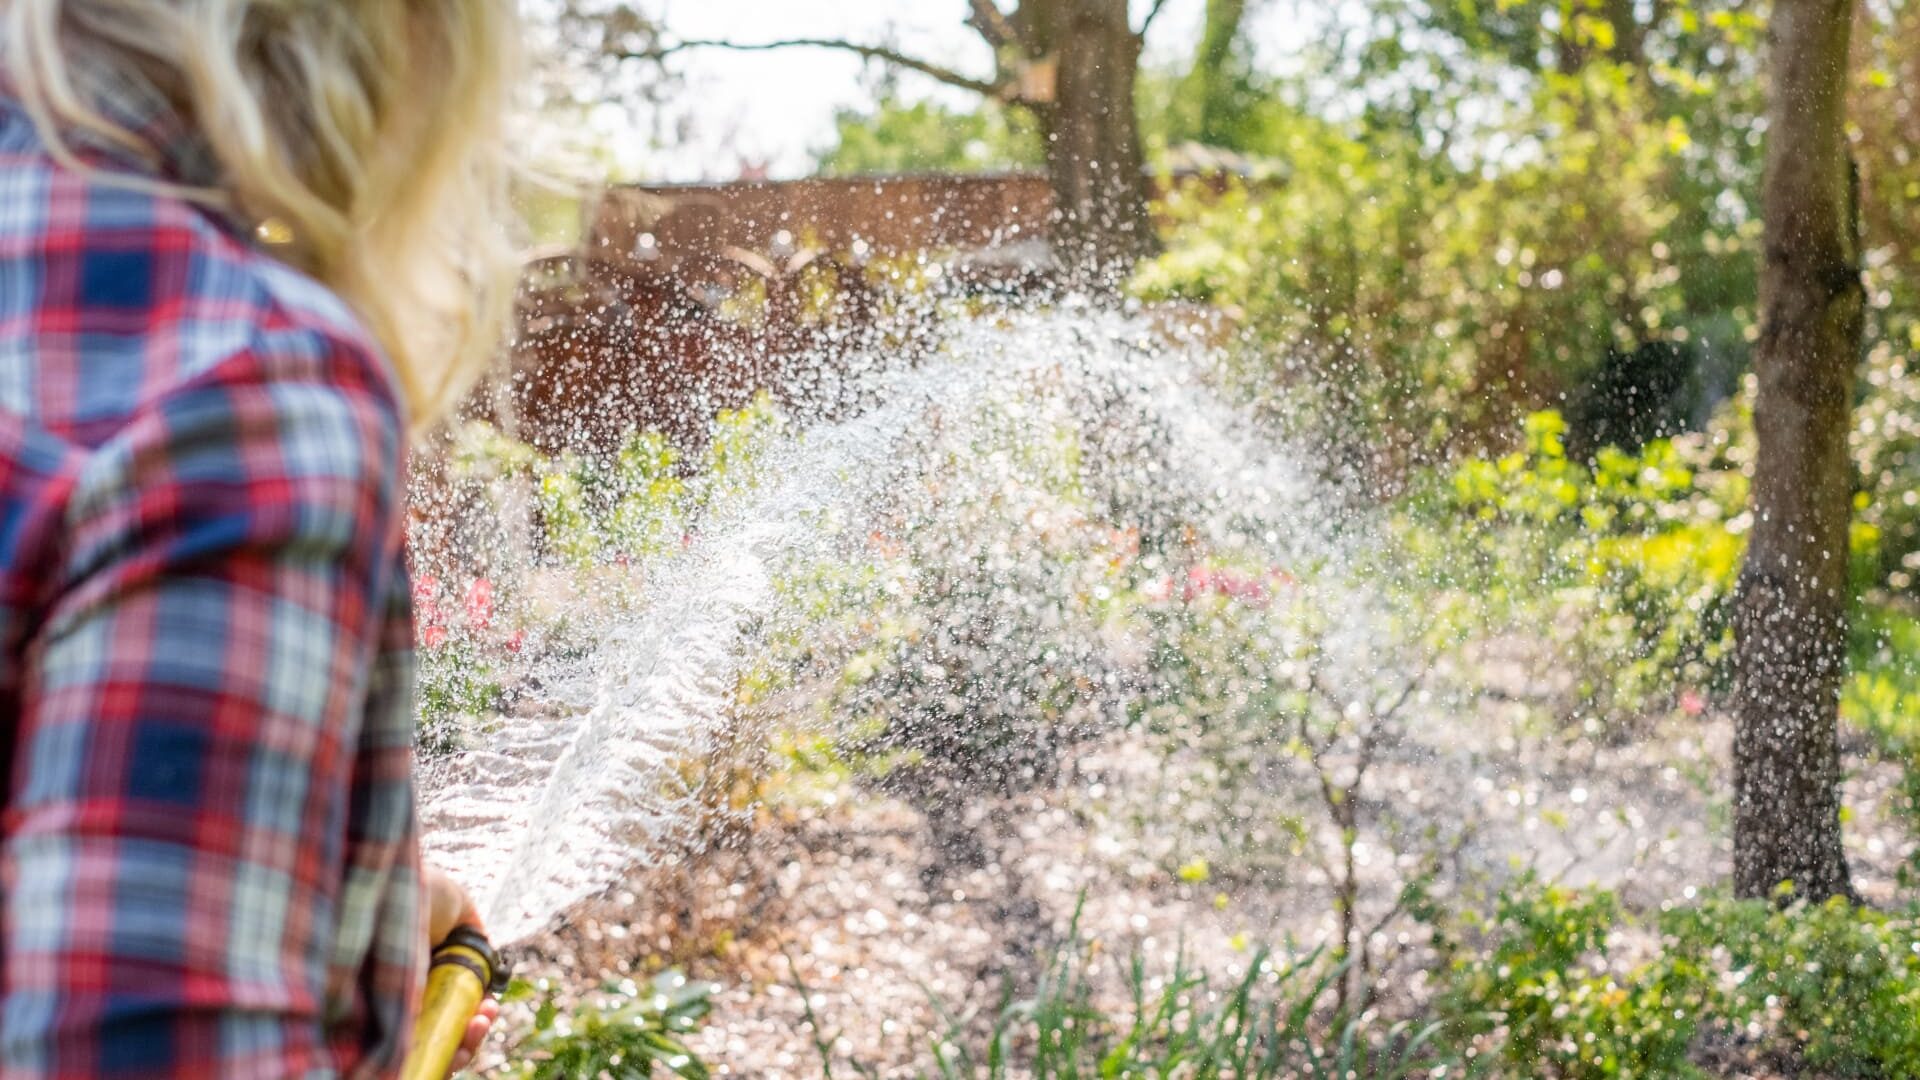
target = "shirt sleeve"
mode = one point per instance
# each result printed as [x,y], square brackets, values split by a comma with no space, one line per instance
[177,834]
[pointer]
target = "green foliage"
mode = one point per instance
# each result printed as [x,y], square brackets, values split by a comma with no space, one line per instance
[1886,452]
[628,1033]
[1421,302]
[1628,563]
[630,507]
[1543,981]
[637,505]
[1883,689]
[1529,191]
[1839,984]
[1887,423]
[974,654]
[1263,1025]
[457,684]
[736,457]
[1234,647]
[1882,693]
[1833,985]
[925,136]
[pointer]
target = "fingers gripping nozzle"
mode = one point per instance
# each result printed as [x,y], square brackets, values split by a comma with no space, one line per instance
[465,968]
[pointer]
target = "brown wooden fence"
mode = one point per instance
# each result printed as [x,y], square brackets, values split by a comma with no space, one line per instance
[684,300]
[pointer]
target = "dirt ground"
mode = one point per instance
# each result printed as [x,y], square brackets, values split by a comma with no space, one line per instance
[837,892]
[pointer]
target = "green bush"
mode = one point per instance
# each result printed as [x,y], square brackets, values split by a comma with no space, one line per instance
[1422,301]
[626,1033]
[976,652]
[1624,568]
[1833,986]
[1886,451]
[1882,692]
[641,502]
[458,684]
[1837,983]
[1543,980]
[898,136]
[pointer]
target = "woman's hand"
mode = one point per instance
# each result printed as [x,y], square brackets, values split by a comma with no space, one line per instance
[449,908]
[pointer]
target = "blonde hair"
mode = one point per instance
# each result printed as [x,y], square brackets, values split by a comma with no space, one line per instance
[365,135]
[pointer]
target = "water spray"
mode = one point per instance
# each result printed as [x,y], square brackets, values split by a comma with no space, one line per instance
[544,812]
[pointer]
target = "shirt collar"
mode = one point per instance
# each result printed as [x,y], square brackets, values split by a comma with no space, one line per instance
[163,144]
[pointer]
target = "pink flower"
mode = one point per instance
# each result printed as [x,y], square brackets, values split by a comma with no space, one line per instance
[1203,580]
[432,636]
[1241,587]
[426,606]
[1692,703]
[515,641]
[479,604]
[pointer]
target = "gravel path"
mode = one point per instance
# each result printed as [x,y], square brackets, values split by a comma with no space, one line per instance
[834,892]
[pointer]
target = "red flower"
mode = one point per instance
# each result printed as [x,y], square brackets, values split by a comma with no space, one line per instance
[515,640]
[432,636]
[479,604]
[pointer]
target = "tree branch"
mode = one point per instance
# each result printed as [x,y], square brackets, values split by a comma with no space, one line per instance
[871,52]
[1152,14]
[993,24]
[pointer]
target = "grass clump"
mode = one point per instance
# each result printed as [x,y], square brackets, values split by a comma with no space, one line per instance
[1270,1022]
[631,1032]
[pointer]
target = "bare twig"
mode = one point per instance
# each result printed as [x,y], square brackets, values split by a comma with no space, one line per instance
[871,52]
[1314,753]
[1152,14]
[1406,694]
[1320,690]
[1429,868]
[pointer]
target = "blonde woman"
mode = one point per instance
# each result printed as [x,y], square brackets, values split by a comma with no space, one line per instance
[245,247]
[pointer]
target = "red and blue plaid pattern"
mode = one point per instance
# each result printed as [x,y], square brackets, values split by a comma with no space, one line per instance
[209,860]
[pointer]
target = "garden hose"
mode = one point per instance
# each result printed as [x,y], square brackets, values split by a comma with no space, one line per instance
[465,969]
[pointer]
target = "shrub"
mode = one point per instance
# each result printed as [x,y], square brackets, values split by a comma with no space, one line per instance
[1544,982]
[981,645]
[457,686]
[1882,691]
[1423,298]
[1886,451]
[641,502]
[1831,985]
[624,1034]
[1627,565]
[1837,983]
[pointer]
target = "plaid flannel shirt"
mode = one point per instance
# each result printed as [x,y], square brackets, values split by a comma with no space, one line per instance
[208,865]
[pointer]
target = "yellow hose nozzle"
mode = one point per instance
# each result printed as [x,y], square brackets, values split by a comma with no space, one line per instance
[465,969]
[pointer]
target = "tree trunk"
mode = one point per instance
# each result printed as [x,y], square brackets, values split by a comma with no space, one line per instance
[1219,72]
[1791,614]
[1094,159]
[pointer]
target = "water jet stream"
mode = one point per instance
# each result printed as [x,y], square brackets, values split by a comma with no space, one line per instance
[543,813]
